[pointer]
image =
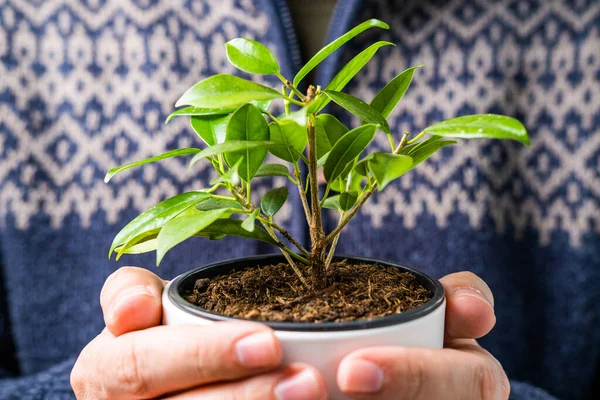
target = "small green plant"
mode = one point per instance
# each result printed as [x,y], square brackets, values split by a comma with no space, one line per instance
[231,115]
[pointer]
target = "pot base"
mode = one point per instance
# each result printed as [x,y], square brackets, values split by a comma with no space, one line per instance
[322,345]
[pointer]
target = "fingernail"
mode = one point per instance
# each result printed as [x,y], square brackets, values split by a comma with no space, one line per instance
[301,386]
[360,376]
[257,350]
[470,291]
[126,296]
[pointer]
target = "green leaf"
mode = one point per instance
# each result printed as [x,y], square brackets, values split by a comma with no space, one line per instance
[136,240]
[411,148]
[199,112]
[328,131]
[248,223]
[341,185]
[336,44]
[386,100]
[210,128]
[347,73]
[292,136]
[346,149]
[341,202]
[168,154]
[247,124]
[362,167]
[347,200]
[157,216]
[232,176]
[191,110]
[425,151]
[231,146]
[180,229]
[272,170]
[298,117]
[251,56]
[387,167]
[273,200]
[143,247]
[222,90]
[359,108]
[486,126]
[218,203]
[233,227]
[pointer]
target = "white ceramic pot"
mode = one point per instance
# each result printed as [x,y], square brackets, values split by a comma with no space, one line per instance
[321,345]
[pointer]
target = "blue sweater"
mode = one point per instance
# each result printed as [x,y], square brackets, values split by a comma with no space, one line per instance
[86,85]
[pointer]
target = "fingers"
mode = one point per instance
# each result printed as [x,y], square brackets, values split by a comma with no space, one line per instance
[131,300]
[422,374]
[294,382]
[165,359]
[469,308]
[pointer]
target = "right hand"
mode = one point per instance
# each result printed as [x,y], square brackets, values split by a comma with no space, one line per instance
[136,358]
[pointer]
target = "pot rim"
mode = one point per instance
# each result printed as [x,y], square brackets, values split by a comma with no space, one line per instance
[394,319]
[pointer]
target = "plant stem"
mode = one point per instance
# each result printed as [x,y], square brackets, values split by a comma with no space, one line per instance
[344,221]
[289,84]
[317,236]
[351,213]
[296,256]
[327,189]
[301,192]
[287,235]
[317,222]
[287,254]
[403,142]
[334,244]
[419,136]
[286,104]
[271,116]
[392,144]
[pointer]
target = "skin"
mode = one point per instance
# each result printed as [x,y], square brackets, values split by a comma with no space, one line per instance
[136,358]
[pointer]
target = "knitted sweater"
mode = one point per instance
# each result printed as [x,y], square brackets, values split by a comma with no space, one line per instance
[85,85]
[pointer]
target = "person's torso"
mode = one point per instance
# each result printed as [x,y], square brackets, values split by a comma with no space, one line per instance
[85,86]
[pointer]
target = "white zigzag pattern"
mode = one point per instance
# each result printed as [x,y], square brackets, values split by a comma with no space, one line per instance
[74,188]
[546,210]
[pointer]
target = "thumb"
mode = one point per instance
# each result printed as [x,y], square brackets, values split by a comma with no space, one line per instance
[131,300]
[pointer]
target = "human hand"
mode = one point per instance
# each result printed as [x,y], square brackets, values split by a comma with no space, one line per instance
[136,357]
[462,370]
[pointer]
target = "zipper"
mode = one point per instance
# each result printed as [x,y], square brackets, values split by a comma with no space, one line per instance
[282,14]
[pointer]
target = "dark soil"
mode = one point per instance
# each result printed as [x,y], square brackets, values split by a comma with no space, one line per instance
[274,293]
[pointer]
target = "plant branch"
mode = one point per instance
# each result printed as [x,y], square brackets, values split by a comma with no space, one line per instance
[296,256]
[286,104]
[403,142]
[419,136]
[351,213]
[344,221]
[271,116]
[316,225]
[302,192]
[287,235]
[392,144]
[287,254]
[327,189]
[334,244]
[291,86]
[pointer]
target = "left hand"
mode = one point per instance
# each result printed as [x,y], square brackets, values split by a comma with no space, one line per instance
[462,370]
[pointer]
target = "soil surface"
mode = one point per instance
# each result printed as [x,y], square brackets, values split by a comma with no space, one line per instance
[274,293]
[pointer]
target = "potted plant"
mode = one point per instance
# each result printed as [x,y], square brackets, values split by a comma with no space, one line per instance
[321,306]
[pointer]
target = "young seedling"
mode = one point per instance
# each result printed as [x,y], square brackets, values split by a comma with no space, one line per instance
[231,116]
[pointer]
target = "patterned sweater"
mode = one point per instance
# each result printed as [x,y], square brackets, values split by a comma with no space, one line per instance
[86,84]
